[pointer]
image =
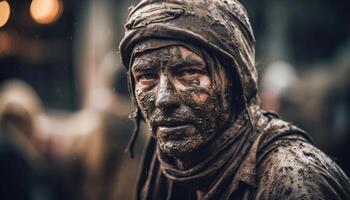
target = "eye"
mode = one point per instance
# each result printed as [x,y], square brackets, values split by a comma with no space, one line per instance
[190,74]
[146,78]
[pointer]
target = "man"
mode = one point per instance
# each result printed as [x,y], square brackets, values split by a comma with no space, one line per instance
[193,81]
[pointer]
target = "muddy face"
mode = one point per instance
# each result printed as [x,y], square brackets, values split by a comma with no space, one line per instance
[181,98]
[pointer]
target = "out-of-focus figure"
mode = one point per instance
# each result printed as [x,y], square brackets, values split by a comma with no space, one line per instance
[90,142]
[73,155]
[20,110]
[23,167]
[277,80]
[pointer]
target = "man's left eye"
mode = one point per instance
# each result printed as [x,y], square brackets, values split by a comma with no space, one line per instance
[189,74]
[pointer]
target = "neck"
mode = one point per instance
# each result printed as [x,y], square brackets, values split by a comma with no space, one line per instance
[190,160]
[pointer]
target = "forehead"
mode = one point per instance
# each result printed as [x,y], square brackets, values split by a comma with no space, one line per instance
[166,54]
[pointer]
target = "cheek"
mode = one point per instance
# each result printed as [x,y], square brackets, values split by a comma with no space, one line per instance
[145,100]
[198,91]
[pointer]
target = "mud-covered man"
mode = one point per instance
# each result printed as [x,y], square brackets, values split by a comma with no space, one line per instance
[192,76]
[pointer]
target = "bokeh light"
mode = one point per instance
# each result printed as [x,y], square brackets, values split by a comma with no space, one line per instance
[46,11]
[4,12]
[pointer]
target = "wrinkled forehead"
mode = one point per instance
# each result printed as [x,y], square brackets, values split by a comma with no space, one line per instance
[153,45]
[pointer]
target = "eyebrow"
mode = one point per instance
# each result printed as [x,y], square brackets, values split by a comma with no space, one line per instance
[173,66]
[143,67]
[186,63]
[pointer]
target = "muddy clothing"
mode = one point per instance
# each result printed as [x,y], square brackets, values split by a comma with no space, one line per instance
[259,156]
[279,163]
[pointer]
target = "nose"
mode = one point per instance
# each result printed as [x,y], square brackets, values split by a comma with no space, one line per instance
[166,98]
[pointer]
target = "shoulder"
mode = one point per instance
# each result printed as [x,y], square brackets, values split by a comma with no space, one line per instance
[295,169]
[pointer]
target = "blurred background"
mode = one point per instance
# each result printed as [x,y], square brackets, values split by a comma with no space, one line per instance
[64,101]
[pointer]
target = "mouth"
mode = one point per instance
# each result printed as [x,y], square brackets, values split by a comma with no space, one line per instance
[174,132]
[170,124]
[172,127]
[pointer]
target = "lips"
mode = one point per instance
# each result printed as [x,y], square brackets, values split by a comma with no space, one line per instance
[174,133]
[172,128]
[175,128]
[170,123]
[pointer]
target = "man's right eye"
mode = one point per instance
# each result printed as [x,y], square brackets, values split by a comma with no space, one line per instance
[147,78]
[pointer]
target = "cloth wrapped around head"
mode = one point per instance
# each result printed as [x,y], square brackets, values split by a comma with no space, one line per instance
[221,27]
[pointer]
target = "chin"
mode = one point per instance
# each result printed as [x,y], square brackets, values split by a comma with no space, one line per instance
[179,141]
[181,148]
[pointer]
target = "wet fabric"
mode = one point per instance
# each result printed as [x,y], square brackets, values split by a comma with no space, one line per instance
[261,156]
[277,163]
